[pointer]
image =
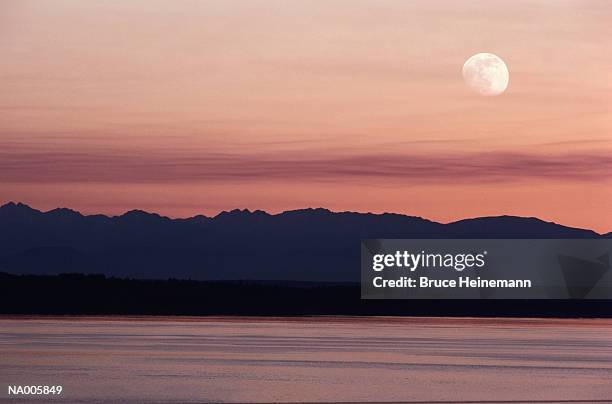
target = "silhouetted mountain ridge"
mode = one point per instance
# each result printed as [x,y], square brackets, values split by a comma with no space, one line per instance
[312,244]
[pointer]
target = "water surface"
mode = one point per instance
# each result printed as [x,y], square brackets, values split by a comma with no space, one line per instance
[309,359]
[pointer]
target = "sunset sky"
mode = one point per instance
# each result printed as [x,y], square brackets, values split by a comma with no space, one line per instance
[193,107]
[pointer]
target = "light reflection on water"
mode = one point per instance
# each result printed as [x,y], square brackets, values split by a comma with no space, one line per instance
[309,359]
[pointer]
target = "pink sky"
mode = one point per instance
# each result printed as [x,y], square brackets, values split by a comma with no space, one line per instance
[200,106]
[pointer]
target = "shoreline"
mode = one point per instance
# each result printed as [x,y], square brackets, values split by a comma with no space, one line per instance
[309,318]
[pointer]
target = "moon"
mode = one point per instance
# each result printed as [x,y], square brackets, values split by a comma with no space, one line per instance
[486,74]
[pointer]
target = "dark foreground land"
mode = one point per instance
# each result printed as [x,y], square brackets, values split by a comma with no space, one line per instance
[97,294]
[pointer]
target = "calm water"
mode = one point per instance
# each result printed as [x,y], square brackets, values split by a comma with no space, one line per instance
[309,359]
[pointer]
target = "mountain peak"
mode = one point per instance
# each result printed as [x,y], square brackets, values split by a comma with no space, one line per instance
[236,213]
[64,212]
[14,205]
[12,208]
[520,226]
[308,211]
[140,214]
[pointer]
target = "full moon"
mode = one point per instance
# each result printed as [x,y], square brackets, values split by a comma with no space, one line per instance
[486,73]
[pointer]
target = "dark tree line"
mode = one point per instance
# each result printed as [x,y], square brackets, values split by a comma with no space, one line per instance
[96,294]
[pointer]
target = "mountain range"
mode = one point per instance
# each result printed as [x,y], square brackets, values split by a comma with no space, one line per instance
[297,245]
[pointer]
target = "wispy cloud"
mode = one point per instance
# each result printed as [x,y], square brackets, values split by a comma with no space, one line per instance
[28,166]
